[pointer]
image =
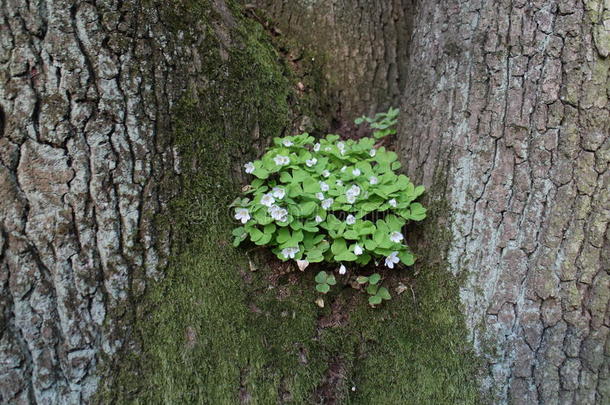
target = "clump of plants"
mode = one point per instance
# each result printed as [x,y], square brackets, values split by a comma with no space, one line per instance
[331,200]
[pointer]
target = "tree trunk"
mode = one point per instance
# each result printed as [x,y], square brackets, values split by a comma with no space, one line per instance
[122,127]
[364,46]
[507,105]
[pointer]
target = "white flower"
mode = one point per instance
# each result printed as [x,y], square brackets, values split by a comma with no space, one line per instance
[340,145]
[327,203]
[373,180]
[353,190]
[326,173]
[278,192]
[324,186]
[281,160]
[311,162]
[242,214]
[249,167]
[319,196]
[350,220]
[290,252]
[267,200]
[392,202]
[357,250]
[343,169]
[316,147]
[396,237]
[350,198]
[392,259]
[373,152]
[278,213]
[319,219]
[339,183]
[342,270]
[356,172]
[287,142]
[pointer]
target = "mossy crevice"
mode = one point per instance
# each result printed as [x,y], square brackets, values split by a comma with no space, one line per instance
[213,331]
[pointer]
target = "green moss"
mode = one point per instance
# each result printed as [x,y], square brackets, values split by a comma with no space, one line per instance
[213,332]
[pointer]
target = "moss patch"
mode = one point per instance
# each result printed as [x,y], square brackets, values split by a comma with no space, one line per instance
[214,332]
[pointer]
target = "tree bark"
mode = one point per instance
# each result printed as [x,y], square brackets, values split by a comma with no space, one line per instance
[85,92]
[507,106]
[364,46]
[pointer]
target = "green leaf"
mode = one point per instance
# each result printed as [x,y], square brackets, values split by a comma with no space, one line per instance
[362,279]
[321,277]
[255,234]
[418,212]
[375,300]
[374,278]
[331,280]
[372,289]
[283,235]
[384,293]
[338,247]
[407,258]
[323,288]
[346,256]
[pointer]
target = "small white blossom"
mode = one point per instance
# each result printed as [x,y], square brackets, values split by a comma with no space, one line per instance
[353,190]
[326,173]
[350,198]
[287,142]
[242,214]
[327,203]
[373,152]
[281,160]
[396,237]
[278,192]
[316,147]
[357,250]
[392,259]
[350,220]
[290,252]
[356,172]
[341,145]
[267,200]
[373,180]
[339,183]
[249,167]
[319,196]
[278,213]
[311,162]
[342,270]
[319,219]
[343,169]
[392,202]
[324,186]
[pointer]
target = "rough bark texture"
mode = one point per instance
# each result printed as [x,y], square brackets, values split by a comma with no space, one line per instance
[364,45]
[508,103]
[85,92]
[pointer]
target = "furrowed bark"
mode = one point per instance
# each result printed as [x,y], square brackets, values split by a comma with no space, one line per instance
[85,93]
[507,102]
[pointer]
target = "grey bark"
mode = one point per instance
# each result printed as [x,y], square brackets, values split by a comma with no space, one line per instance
[508,103]
[85,91]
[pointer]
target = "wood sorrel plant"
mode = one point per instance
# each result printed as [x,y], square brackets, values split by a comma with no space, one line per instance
[330,200]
